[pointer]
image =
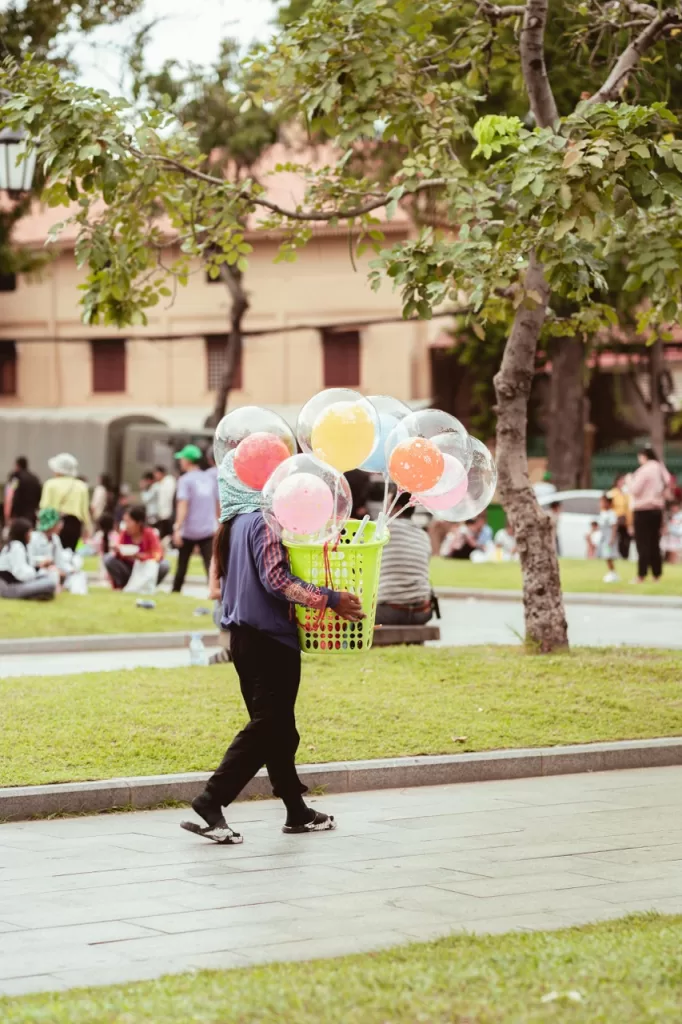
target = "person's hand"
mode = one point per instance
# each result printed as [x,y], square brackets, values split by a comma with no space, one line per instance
[177,539]
[349,607]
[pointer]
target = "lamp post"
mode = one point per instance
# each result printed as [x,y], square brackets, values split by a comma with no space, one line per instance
[15,178]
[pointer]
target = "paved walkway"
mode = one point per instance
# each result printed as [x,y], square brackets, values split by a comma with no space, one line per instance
[119,897]
[465,622]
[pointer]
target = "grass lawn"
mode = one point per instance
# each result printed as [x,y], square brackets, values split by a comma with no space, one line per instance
[624,972]
[392,701]
[102,611]
[196,565]
[576,575]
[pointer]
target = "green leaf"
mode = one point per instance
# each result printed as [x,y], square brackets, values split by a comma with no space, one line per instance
[522,180]
[573,156]
[563,227]
[642,150]
[537,185]
[621,159]
[565,196]
[594,160]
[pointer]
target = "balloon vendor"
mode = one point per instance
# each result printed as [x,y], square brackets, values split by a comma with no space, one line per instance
[258,595]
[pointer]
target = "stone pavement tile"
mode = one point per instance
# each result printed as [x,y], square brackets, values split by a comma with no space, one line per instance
[459,907]
[411,863]
[53,885]
[30,940]
[47,914]
[622,892]
[35,983]
[314,949]
[587,864]
[642,854]
[188,920]
[127,971]
[49,961]
[210,940]
[6,927]
[653,869]
[527,883]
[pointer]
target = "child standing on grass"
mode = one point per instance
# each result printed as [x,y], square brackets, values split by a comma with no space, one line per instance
[608,537]
[258,597]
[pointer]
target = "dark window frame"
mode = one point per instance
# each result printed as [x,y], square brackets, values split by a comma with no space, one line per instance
[9,365]
[213,344]
[109,366]
[341,358]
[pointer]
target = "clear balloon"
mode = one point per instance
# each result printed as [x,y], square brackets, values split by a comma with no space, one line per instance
[257,457]
[416,464]
[390,411]
[249,419]
[449,490]
[340,427]
[481,486]
[306,500]
[440,427]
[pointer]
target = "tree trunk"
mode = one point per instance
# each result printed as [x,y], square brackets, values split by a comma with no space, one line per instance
[233,279]
[545,620]
[566,430]
[656,404]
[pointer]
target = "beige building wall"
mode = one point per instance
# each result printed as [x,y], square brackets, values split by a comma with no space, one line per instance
[166,361]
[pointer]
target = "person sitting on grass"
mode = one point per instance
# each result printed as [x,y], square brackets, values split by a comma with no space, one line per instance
[137,543]
[18,578]
[45,550]
[404,588]
[608,538]
[505,542]
[258,597]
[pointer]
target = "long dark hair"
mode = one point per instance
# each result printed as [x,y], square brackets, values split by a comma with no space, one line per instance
[221,548]
[648,453]
[19,530]
[106,525]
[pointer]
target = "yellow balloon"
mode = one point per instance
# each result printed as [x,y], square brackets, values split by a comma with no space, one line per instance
[343,435]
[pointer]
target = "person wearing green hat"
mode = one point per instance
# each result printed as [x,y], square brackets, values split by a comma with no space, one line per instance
[196,513]
[45,549]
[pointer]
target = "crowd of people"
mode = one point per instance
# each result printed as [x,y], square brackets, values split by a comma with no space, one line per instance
[48,527]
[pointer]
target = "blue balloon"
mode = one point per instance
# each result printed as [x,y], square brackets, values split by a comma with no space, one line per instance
[376,463]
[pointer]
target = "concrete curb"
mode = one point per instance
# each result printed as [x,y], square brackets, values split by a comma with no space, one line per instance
[21,802]
[624,600]
[104,642]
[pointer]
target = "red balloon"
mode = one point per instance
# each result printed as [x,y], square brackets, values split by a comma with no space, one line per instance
[257,456]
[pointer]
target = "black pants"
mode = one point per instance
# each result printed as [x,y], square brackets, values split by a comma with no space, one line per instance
[71,532]
[269,675]
[463,552]
[648,523]
[185,553]
[624,539]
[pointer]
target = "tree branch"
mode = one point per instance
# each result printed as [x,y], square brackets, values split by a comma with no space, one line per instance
[630,57]
[302,215]
[532,50]
[496,12]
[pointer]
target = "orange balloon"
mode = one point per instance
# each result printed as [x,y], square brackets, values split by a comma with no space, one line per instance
[416,465]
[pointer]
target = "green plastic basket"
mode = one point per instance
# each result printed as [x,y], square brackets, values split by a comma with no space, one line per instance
[352,567]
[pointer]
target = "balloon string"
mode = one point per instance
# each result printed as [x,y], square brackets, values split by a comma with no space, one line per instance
[394,503]
[410,504]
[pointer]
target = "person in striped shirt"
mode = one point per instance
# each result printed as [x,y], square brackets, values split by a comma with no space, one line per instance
[404,588]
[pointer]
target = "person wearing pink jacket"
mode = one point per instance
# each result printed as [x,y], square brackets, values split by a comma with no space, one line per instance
[648,487]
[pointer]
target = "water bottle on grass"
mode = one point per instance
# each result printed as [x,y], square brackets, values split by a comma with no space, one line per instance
[198,655]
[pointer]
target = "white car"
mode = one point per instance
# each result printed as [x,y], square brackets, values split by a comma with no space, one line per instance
[578,510]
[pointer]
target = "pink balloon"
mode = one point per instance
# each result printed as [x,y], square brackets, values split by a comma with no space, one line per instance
[449,490]
[442,502]
[303,503]
[257,456]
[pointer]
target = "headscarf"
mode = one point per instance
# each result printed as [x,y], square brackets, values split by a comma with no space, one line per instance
[235,497]
[48,518]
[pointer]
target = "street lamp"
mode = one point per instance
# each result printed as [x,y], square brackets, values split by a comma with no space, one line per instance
[15,178]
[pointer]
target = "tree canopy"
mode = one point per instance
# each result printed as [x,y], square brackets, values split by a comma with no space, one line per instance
[526,214]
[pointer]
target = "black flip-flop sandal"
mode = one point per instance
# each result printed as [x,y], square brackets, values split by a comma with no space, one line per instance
[320,823]
[221,833]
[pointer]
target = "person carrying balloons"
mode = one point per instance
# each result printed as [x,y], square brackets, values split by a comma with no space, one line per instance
[258,595]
